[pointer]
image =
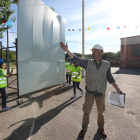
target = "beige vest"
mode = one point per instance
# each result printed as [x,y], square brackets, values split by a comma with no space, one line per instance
[96,80]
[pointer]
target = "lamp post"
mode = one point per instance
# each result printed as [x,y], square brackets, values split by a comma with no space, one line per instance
[9,23]
[7,50]
[83,37]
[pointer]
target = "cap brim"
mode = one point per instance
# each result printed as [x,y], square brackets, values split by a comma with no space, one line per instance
[96,49]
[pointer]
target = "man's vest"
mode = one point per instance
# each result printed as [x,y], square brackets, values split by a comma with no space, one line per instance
[96,79]
[75,72]
[69,68]
[3,80]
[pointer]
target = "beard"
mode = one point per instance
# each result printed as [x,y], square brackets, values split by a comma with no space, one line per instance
[93,56]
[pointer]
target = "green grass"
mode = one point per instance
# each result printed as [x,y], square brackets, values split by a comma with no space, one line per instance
[12,65]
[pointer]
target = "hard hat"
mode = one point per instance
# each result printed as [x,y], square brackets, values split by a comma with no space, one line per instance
[1,61]
[71,61]
[98,47]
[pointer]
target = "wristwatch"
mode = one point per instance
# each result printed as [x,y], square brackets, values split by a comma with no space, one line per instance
[117,88]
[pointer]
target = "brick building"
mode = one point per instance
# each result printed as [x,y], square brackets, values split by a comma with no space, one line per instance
[130,52]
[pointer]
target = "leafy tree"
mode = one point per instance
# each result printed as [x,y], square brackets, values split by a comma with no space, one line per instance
[52,8]
[3,55]
[117,55]
[5,14]
[110,55]
[12,55]
[78,54]
[104,56]
[89,56]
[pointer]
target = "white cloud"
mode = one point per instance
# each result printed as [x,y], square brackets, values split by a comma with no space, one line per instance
[76,50]
[11,37]
[114,13]
[118,11]
[79,46]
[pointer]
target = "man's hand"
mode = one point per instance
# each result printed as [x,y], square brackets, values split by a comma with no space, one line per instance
[6,75]
[116,87]
[119,91]
[63,46]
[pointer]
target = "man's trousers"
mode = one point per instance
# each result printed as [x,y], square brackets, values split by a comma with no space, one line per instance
[87,107]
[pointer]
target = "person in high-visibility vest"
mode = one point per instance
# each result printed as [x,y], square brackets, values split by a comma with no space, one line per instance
[68,72]
[3,84]
[76,78]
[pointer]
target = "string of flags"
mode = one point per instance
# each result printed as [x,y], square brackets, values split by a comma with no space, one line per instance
[78,29]
[9,23]
[118,27]
[108,28]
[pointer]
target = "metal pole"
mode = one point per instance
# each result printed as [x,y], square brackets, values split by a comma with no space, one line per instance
[1,48]
[16,41]
[7,51]
[83,37]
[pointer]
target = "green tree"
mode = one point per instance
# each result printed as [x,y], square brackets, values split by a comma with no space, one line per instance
[52,8]
[104,56]
[12,56]
[5,14]
[117,55]
[110,55]
[78,54]
[3,55]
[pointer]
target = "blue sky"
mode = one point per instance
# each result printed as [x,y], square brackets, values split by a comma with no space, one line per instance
[99,14]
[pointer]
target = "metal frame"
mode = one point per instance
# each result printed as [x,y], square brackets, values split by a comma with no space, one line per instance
[7,61]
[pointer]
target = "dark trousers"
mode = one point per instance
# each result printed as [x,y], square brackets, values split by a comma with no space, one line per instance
[76,84]
[3,94]
[68,78]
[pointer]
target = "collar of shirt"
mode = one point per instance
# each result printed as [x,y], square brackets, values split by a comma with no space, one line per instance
[98,64]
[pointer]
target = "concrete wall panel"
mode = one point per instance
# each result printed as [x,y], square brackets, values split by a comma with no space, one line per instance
[41,61]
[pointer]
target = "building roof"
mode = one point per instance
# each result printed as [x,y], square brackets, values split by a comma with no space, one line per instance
[130,36]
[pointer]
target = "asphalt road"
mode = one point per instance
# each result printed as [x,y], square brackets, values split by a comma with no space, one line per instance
[49,114]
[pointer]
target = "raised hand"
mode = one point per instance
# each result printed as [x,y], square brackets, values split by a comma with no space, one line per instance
[63,46]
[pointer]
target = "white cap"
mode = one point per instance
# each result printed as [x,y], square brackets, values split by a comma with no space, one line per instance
[97,46]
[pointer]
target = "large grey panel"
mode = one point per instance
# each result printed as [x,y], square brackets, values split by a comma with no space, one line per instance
[40,58]
[48,34]
[62,37]
[36,75]
[56,38]
[38,44]
[58,35]
[25,31]
[61,77]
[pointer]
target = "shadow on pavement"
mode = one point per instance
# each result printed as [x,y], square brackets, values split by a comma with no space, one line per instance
[98,136]
[11,108]
[128,71]
[39,99]
[10,98]
[22,132]
[80,139]
[46,95]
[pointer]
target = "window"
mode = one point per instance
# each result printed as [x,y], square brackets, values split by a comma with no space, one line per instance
[136,50]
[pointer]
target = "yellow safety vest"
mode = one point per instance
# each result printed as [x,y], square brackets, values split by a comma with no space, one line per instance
[3,80]
[75,72]
[69,68]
